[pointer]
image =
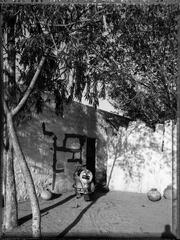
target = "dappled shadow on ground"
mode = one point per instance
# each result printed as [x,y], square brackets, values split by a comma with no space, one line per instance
[98,221]
[94,198]
[44,210]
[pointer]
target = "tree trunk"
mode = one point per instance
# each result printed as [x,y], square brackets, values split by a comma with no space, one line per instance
[36,217]
[178,131]
[4,157]
[10,203]
[11,210]
[1,122]
[174,186]
[11,52]
[36,221]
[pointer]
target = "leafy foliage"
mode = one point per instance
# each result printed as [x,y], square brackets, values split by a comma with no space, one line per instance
[125,52]
[144,85]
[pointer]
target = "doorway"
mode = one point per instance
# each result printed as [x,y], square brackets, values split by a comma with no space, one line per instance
[90,155]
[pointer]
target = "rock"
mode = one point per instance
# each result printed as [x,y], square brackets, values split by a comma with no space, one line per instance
[46,194]
[154,195]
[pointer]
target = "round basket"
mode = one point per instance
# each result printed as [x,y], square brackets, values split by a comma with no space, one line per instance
[154,195]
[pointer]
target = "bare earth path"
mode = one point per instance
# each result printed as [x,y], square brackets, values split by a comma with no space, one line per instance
[112,214]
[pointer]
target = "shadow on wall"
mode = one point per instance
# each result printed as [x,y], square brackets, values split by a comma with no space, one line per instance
[101,154]
[79,122]
[108,126]
[136,152]
[64,148]
[124,154]
[49,151]
[95,151]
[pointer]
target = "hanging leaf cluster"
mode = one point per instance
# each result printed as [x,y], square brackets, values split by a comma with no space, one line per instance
[127,53]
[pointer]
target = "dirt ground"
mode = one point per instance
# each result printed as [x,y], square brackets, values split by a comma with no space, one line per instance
[111,214]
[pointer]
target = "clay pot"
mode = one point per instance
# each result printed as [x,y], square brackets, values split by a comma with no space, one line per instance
[168,192]
[154,195]
[46,194]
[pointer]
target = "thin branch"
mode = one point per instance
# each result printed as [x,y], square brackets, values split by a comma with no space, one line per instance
[29,89]
[53,39]
[105,23]
[6,110]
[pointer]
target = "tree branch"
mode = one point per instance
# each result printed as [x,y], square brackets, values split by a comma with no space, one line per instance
[29,89]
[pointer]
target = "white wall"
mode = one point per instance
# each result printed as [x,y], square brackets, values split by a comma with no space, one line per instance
[140,163]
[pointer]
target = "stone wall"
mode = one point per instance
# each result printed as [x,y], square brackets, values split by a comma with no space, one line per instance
[139,162]
[38,146]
